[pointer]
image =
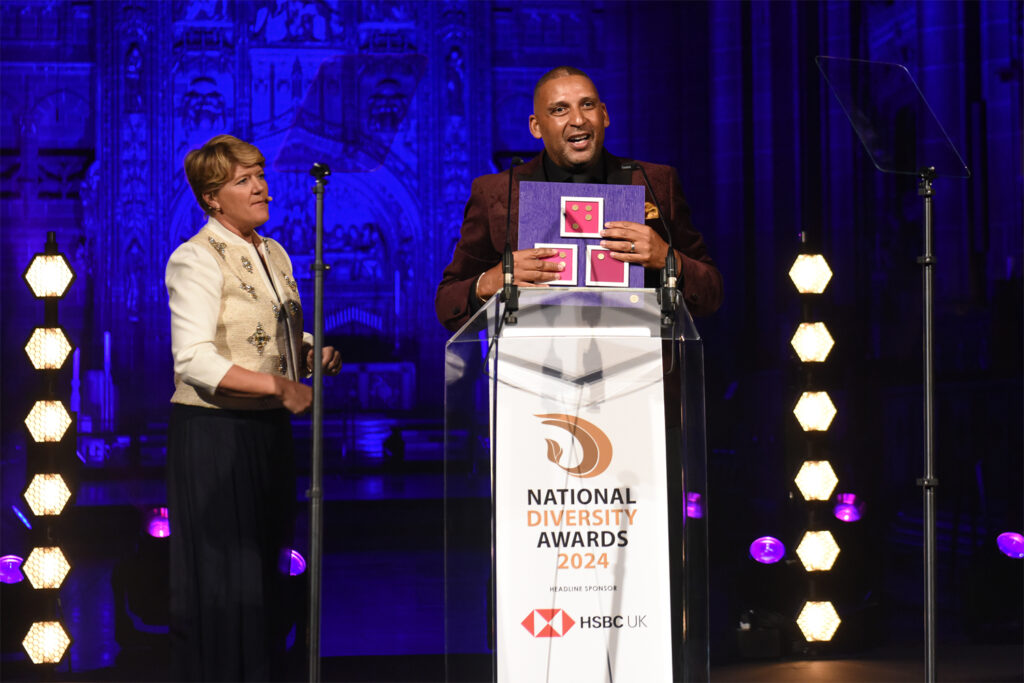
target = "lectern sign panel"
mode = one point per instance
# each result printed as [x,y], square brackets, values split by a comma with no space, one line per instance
[582,568]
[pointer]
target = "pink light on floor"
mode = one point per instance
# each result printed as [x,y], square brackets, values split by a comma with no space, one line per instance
[848,507]
[1011,544]
[158,525]
[10,569]
[767,550]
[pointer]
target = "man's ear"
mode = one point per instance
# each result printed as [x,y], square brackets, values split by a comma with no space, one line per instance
[607,121]
[535,126]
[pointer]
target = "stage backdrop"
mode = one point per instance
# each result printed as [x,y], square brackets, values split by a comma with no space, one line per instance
[410,100]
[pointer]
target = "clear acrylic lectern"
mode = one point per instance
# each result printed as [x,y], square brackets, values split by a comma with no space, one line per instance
[575,499]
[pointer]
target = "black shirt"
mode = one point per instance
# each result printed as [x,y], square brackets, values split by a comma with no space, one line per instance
[554,173]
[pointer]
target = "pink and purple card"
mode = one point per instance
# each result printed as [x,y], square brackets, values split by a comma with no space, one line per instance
[582,216]
[566,255]
[571,216]
[605,271]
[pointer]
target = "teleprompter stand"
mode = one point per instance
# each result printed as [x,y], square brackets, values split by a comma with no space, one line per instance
[902,135]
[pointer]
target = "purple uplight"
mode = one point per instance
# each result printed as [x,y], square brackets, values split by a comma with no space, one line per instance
[767,550]
[158,525]
[291,562]
[1011,544]
[848,507]
[10,569]
[694,508]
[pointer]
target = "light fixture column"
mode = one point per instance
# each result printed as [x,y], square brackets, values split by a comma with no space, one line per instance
[816,480]
[51,455]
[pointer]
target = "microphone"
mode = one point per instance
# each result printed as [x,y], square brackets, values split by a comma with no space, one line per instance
[668,293]
[509,291]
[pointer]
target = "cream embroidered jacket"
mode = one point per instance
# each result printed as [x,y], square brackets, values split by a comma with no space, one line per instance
[226,311]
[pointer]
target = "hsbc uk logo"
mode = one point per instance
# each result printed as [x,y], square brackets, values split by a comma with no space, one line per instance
[548,623]
[617,621]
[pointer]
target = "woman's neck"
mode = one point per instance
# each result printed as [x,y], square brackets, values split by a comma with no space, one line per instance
[249,235]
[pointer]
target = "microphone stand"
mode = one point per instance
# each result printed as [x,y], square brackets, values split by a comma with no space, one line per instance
[510,296]
[315,494]
[668,293]
[928,482]
[509,290]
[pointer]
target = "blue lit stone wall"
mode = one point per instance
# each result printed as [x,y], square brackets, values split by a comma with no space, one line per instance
[102,100]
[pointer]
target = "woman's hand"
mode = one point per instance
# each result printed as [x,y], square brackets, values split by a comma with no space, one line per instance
[331,359]
[295,396]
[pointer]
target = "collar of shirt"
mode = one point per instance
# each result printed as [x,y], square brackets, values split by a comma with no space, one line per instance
[556,174]
[225,234]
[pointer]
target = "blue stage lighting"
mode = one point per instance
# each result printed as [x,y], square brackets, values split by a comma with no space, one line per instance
[21,516]
[767,550]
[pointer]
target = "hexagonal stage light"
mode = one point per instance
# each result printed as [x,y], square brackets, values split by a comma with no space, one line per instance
[817,551]
[46,642]
[812,342]
[46,568]
[814,411]
[49,275]
[1011,544]
[767,550]
[48,348]
[47,494]
[810,273]
[47,421]
[818,621]
[816,479]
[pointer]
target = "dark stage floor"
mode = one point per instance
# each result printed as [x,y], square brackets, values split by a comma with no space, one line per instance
[383,599]
[960,662]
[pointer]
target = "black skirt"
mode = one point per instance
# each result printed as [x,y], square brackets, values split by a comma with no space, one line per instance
[231,500]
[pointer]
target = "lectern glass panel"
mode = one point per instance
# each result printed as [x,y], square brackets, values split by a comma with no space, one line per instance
[575,504]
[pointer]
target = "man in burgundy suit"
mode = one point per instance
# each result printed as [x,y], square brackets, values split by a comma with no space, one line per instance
[570,118]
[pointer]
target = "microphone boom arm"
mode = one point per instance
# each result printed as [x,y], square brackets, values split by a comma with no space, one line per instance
[668,293]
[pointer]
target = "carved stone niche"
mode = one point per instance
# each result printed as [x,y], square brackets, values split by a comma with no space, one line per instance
[351,112]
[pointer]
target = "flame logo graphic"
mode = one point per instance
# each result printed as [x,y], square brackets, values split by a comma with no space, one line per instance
[595,444]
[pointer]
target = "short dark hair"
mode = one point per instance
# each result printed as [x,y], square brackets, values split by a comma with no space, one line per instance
[561,72]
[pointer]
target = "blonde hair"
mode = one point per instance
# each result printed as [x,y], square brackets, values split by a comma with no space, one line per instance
[210,167]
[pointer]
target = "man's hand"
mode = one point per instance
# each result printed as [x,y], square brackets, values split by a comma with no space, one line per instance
[634,243]
[331,359]
[294,396]
[530,268]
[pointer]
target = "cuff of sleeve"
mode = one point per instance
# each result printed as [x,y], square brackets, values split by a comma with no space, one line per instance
[207,373]
[476,287]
